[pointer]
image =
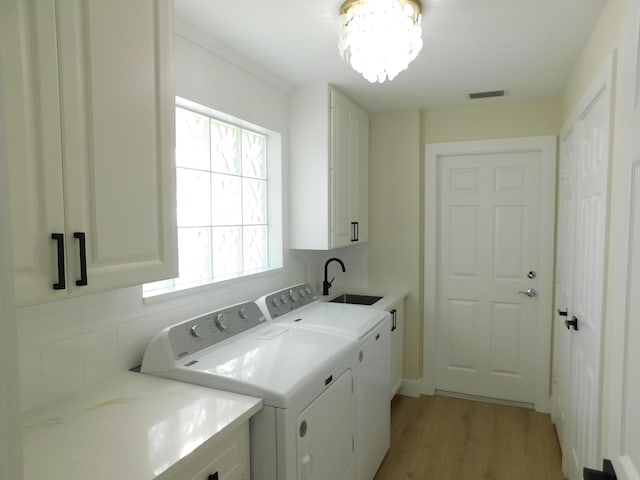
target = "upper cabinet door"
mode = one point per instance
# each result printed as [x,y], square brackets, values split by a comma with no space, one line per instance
[341,185]
[30,76]
[349,172]
[360,175]
[91,142]
[117,86]
[328,169]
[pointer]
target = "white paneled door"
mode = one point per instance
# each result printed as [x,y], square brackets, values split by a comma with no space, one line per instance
[565,254]
[623,440]
[585,309]
[494,247]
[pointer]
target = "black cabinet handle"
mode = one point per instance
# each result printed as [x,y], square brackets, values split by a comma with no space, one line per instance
[213,476]
[61,283]
[83,259]
[354,237]
[572,323]
[562,313]
[394,325]
[357,231]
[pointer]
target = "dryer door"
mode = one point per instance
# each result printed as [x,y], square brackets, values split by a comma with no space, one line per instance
[325,439]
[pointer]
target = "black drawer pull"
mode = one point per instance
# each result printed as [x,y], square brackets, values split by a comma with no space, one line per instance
[328,380]
[61,283]
[213,476]
[378,337]
[83,258]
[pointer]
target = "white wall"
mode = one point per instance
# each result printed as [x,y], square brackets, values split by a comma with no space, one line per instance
[69,344]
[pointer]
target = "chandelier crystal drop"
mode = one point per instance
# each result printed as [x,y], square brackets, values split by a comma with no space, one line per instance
[381,36]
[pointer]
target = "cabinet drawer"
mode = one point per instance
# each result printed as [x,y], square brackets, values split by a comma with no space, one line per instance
[227,454]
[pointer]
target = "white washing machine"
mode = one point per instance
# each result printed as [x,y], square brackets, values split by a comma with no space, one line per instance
[306,429]
[298,307]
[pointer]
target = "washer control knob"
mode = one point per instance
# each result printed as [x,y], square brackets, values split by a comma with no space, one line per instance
[284,298]
[222,323]
[294,295]
[275,302]
[302,292]
[243,313]
[308,289]
[194,331]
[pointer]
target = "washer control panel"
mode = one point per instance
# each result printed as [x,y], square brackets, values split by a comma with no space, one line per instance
[288,299]
[201,332]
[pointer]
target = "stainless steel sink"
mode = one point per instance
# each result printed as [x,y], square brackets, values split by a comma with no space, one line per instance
[356,299]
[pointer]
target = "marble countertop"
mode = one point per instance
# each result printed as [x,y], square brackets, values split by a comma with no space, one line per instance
[131,427]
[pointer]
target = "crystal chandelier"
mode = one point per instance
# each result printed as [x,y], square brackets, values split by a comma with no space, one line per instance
[382,36]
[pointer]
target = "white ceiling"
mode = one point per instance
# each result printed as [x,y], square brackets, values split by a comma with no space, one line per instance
[528,47]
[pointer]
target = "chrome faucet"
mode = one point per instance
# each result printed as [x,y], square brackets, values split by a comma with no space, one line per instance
[326,284]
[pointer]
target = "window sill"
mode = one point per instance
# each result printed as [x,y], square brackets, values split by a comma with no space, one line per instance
[163,295]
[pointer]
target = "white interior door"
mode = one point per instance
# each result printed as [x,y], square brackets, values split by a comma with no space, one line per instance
[581,443]
[623,440]
[565,247]
[495,221]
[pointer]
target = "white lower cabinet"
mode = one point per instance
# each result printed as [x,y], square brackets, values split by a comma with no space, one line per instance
[397,350]
[224,457]
[90,138]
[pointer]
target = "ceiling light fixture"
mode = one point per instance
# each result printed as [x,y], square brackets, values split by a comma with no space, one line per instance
[382,36]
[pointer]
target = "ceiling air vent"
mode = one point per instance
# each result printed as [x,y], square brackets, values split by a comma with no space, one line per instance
[490,94]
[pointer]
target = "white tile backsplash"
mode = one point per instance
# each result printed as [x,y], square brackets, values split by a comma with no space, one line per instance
[35,331]
[30,362]
[69,344]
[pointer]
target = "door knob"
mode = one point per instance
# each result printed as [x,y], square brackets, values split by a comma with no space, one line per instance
[529,292]
[572,323]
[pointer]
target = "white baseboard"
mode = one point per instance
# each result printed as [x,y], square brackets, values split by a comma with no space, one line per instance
[411,388]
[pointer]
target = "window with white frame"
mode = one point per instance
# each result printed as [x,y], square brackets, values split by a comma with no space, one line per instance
[228,199]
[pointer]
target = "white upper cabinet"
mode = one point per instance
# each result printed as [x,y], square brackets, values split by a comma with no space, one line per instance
[91,144]
[328,180]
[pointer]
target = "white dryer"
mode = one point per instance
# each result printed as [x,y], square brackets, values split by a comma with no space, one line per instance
[298,307]
[306,429]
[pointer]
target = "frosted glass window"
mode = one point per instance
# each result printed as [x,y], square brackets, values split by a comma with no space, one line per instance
[193,189]
[192,140]
[194,255]
[226,199]
[254,247]
[225,148]
[254,162]
[254,202]
[222,201]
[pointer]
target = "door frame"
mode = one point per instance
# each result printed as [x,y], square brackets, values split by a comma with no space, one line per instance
[547,146]
[10,418]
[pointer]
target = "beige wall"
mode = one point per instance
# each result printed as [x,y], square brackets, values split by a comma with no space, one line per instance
[394,212]
[492,120]
[396,245]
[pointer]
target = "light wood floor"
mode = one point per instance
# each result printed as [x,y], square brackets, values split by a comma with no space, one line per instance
[443,438]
